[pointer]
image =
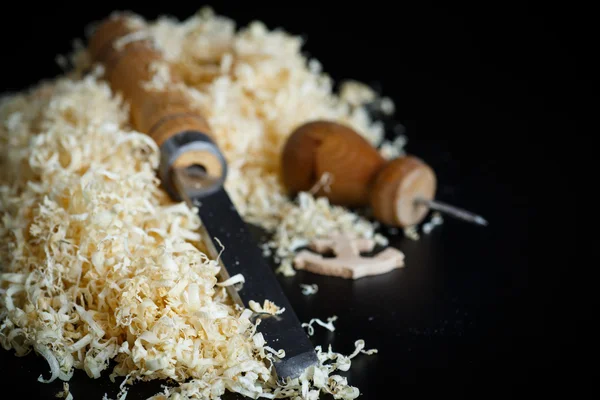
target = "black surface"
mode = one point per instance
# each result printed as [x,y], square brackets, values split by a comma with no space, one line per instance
[480,92]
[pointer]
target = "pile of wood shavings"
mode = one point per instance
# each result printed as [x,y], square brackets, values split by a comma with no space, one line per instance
[99,264]
[255,87]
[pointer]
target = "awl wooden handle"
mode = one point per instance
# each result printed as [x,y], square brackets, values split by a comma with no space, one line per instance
[167,115]
[360,175]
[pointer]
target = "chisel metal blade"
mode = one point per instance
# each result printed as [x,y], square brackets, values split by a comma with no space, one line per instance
[242,255]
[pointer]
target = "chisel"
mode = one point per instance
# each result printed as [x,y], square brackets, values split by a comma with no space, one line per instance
[193,169]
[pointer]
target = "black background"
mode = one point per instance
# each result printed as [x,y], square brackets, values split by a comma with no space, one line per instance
[480,91]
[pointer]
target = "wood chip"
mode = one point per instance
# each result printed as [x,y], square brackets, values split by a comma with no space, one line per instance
[348,263]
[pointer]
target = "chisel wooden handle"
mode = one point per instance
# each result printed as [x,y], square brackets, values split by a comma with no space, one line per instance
[167,115]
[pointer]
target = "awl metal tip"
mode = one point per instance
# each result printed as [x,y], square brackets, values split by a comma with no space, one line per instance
[480,220]
[453,211]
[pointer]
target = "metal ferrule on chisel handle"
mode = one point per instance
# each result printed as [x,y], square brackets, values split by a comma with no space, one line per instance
[196,152]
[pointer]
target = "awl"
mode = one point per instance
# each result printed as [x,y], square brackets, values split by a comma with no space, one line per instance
[193,169]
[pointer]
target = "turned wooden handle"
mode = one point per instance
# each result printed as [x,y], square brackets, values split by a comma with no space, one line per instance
[361,176]
[397,186]
[158,113]
[318,147]
[166,114]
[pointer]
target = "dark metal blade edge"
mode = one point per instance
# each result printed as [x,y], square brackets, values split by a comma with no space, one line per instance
[242,255]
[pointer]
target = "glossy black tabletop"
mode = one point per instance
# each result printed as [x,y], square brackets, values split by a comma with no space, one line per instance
[466,308]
